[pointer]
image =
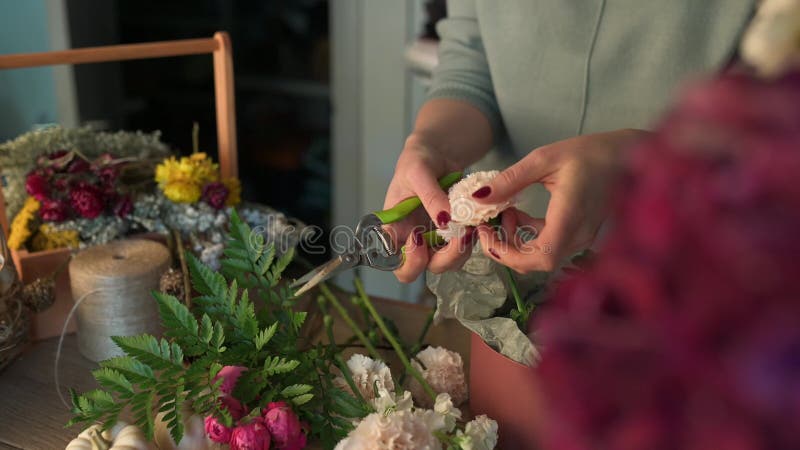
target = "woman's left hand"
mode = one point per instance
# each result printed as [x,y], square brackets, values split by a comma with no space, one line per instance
[579,174]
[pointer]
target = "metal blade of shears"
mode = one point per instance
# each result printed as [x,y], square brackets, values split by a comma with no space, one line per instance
[324,272]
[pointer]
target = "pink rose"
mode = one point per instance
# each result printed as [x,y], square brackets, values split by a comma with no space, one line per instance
[216,431]
[284,426]
[87,200]
[36,185]
[54,211]
[233,406]
[253,436]
[229,375]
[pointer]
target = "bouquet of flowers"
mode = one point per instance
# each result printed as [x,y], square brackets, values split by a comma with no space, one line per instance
[241,360]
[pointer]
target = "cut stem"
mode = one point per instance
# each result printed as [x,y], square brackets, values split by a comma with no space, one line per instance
[395,345]
[349,321]
[523,311]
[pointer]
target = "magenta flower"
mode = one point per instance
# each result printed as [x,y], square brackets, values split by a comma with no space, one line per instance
[123,206]
[229,375]
[235,407]
[284,426]
[36,186]
[252,436]
[216,431]
[683,333]
[54,211]
[215,194]
[86,200]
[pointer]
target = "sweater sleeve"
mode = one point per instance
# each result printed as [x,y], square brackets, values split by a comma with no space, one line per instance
[463,71]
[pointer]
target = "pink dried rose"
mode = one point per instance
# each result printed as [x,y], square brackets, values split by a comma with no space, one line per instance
[216,431]
[252,436]
[215,194]
[86,200]
[36,186]
[58,160]
[123,206]
[77,165]
[284,426]
[229,375]
[107,175]
[54,211]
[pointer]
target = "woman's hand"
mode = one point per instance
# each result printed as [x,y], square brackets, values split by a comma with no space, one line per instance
[579,174]
[416,174]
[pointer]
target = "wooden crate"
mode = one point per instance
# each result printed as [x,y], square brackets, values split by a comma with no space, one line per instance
[37,264]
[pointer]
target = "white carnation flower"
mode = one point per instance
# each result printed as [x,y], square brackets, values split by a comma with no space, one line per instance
[771,43]
[479,434]
[400,430]
[387,402]
[449,413]
[444,371]
[465,211]
[367,374]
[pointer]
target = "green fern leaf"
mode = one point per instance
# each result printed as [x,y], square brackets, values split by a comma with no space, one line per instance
[205,280]
[148,350]
[265,335]
[296,389]
[276,365]
[113,381]
[302,399]
[134,370]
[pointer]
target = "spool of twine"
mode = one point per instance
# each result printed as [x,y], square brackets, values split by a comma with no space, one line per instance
[112,287]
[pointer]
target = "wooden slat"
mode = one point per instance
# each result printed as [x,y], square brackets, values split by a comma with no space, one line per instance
[110,53]
[226,106]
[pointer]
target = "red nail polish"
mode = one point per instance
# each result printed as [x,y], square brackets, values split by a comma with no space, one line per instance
[494,253]
[443,218]
[482,192]
[417,238]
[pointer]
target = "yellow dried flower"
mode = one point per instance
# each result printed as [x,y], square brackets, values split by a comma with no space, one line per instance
[203,170]
[48,239]
[182,191]
[234,191]
[172,170]
[23,224]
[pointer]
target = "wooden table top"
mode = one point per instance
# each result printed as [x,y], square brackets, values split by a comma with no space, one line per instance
[32,416]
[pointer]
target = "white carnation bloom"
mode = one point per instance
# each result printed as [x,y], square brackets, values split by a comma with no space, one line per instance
[387,402]
[444,371]
[400,430]
[479,434]
[464,210]
[367,374]
[449,413]
[771,43]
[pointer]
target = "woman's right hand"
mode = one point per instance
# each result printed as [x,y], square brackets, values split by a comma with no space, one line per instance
[416,174]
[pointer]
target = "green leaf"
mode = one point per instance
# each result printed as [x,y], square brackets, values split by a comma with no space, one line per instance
[275,365]
[281,264]
[113,380]
[206,331]
[148,350]
[205,280]
[302,399]
[245,317]
[296,389]
[264,336]
[134,370]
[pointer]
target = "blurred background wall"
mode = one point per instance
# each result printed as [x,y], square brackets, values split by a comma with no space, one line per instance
[326,90]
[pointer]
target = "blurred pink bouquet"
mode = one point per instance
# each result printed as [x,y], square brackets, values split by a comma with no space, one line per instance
[685,332]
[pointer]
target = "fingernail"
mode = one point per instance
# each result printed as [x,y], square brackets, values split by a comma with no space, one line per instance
[494,253]
[417,238]
[482,192]
[469,237]
[443,218]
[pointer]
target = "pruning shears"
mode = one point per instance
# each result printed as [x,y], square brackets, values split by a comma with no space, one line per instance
[372,246]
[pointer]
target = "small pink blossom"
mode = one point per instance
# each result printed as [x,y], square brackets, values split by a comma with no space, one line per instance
[216,431]
[284,426]
[229,376]
[233,406]
[252,436]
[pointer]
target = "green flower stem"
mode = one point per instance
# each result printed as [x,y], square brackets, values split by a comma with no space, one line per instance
[389,337]
[401,210]
[337,358]
[418,345]
[515,293]
[349,321]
